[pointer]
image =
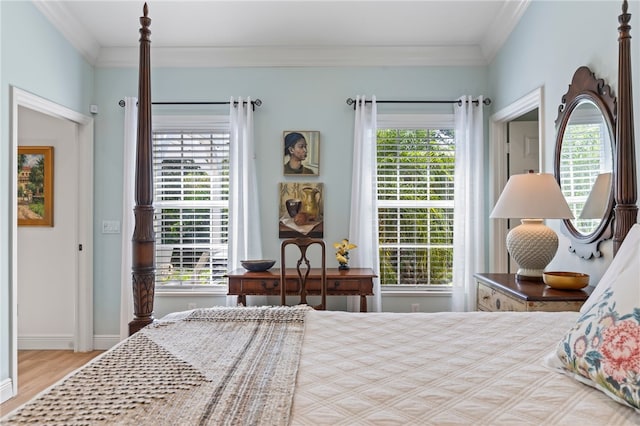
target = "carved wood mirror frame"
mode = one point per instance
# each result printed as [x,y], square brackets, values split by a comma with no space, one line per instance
[585,88]
[625,210]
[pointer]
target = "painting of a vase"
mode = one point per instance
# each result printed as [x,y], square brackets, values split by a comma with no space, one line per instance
[301,210]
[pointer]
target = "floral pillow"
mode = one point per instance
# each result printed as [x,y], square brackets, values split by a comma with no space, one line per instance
[603,348]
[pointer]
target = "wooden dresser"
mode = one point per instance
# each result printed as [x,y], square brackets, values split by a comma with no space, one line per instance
[349,282]
[504,292]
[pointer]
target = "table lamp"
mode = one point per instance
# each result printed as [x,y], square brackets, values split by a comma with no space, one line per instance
[532,197]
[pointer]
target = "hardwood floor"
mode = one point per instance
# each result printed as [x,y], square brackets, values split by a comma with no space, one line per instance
[38,369]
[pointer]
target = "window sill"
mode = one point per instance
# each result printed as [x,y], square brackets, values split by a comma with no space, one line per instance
[431,291]
[193,291]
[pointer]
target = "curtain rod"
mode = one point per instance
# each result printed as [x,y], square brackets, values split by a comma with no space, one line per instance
[254,104]
[351,101]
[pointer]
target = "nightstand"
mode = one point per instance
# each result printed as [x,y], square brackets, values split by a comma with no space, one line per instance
[503,292]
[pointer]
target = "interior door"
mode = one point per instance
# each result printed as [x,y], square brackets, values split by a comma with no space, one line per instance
[523,155]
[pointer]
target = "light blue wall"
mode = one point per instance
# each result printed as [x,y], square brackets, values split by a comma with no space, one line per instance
[37,59]
[551,41]
[293,98]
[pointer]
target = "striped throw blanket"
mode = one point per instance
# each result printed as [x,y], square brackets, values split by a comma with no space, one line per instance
[222,366]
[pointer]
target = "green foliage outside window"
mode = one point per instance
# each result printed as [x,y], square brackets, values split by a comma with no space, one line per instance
[582,153]
[191,217]
[415,195]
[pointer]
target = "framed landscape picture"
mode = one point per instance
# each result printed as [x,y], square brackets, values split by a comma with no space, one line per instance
[35,186]
[301,152]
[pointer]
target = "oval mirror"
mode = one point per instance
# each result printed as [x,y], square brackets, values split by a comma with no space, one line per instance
[584,161]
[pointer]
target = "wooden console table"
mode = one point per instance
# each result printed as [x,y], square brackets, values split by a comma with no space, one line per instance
[349,282]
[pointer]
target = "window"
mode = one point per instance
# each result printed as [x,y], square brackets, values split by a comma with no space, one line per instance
[416,160]
[191,199]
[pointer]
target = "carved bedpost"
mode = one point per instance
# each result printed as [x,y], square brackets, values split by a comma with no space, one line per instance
[143,241]
[626,210]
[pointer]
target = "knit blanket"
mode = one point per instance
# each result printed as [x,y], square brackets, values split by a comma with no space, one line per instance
[222,366]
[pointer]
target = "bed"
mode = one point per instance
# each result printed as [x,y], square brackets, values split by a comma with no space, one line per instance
[354,369]
[277,365]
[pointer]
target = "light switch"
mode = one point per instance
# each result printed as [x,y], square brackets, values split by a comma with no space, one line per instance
[110,226]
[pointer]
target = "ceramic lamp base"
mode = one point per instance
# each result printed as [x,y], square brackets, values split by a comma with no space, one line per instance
[532,245]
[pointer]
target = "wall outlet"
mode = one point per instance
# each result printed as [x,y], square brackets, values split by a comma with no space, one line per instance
[415,307]
[110,226]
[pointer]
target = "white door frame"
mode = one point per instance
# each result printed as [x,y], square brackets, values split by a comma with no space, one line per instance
[83,303]
[498,136]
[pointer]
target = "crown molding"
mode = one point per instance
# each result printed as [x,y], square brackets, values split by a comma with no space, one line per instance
[295,56]
[502,26]
[71,28]
[286,56]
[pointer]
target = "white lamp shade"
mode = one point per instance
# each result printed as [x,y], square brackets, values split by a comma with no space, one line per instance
[532,195]
[598,199]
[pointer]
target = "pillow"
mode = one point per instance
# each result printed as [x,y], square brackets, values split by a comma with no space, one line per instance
[628,252]
[603,348]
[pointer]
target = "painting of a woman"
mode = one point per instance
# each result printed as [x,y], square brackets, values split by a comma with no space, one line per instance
[301,153]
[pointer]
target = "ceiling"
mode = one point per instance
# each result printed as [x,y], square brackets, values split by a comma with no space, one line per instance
[289,33]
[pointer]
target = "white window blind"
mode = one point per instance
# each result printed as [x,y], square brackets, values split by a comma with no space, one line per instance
[415,205]
[583,152]
[191,199]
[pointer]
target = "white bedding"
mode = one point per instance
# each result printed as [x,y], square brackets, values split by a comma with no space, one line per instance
[475,368]
[442,369]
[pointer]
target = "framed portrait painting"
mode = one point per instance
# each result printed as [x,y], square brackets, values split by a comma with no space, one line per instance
[301,210]
[35,186]
[301,150]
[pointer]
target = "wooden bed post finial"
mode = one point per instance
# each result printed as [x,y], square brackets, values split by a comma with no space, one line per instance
[143,241]
[626,210]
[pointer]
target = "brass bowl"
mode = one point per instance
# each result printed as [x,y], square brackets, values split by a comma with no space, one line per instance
[565,280]
[257,265]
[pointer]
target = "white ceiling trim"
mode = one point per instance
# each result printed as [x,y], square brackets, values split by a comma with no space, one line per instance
[70,28]
[294,56]
[502,25]
[287,56]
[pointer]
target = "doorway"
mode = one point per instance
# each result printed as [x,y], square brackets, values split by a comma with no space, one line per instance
[47,254]
[523,156]
[81,127]
[507,126]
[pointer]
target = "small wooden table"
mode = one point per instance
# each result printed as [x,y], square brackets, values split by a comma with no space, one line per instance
[349,282]
[505,292]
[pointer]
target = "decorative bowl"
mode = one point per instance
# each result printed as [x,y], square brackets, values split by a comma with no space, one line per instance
[565,280]
[257,265]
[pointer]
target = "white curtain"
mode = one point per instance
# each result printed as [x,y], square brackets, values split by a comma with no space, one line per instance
[469,220]
[363,221]
[245,240]
[128,202]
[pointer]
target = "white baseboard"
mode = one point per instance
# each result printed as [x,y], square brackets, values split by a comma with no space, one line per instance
[105,342]
[63,342]
[48,341]
[6,390]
